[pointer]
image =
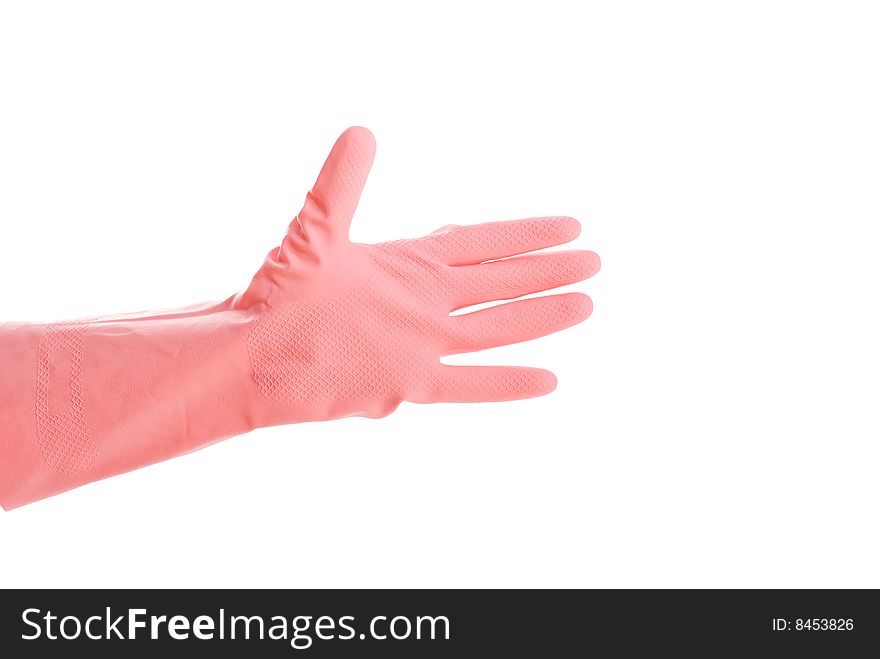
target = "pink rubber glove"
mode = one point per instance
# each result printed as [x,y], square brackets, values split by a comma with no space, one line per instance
[327,328]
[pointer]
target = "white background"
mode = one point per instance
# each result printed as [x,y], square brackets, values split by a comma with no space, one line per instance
[716,420]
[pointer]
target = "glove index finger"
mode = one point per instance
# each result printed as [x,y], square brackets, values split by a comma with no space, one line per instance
[469,245]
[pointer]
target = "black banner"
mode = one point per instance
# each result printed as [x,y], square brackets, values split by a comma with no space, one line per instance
[423,623]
